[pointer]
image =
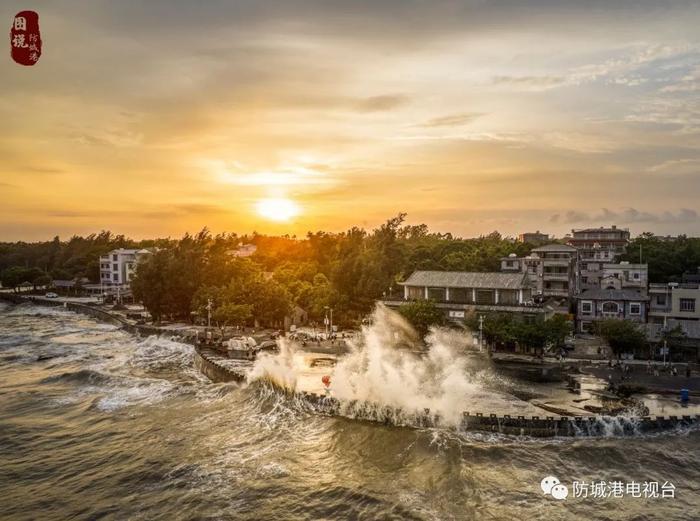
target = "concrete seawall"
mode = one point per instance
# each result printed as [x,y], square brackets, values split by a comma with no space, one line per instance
[536,426]
[212,369]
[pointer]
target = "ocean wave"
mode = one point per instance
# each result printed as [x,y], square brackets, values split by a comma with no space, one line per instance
[80,377]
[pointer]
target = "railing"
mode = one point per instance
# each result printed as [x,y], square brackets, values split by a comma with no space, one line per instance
[555,276]
[399,298]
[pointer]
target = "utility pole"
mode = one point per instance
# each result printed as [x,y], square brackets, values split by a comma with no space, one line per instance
[665,348]
[481,332]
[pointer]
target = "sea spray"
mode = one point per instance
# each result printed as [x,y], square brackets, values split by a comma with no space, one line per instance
[280,369]
[389,366]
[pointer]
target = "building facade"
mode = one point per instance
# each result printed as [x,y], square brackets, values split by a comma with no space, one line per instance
[458,293]
[597,247]
[602,304]
[673,306]
[552,272]
[117,267]
[534,237]
[624,275]
[680,302]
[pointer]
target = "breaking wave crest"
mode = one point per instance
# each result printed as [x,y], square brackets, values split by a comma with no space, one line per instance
[388,366]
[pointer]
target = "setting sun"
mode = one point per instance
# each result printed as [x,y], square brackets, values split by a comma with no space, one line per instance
[277,209]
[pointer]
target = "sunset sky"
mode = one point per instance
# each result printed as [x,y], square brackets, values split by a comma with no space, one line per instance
[155,118]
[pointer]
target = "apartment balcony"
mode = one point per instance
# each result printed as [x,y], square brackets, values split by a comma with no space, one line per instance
[555,292]
[556,262]
[556,276]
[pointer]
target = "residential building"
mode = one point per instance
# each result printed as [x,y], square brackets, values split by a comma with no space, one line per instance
[512,263]
[601,304]
[117,267]
[534,237]
[597,247]
[624,275]
[551,270]
[680,302]
[590,241]
[675,305]
[245,250]
[458,292]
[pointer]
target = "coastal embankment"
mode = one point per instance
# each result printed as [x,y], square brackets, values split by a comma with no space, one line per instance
[219,369]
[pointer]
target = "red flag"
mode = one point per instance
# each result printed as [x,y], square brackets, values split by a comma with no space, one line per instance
[25,38]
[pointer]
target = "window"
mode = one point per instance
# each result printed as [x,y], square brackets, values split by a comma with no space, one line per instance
[415,293]
[584,280]
[485,296]
[610,307]
[509,264]
[661,300]
[115,277]
[687,304]
[437,294]
[635,309]
[115,257]
[115,267]
[460,295]
[636,276]
[586,308]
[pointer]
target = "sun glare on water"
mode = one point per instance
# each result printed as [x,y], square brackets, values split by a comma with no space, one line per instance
[277,209]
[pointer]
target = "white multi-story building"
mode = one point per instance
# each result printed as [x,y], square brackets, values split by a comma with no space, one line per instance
[624,275]
[597,247]
[551,269]
[117,267]
[674,306]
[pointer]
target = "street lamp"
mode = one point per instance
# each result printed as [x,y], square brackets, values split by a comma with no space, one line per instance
[327,322]
[481,332]
[209,304]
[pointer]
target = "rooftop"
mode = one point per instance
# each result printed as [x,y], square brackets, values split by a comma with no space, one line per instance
[467,279]
[555,247]
[623,265]
[612,294]
[613,228]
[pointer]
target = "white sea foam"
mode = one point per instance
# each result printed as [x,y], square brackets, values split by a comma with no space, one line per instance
[389,366]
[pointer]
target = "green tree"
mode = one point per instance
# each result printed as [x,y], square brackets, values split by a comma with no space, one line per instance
[556,329]
[150,284]
[14,276]
[229,314]
[623,336]
[422,315]
[270,302]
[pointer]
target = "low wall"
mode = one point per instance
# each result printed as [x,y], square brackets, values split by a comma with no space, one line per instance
[213,370]
[536,426]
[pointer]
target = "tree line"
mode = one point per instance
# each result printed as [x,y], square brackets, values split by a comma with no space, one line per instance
[198,276]
[76,258]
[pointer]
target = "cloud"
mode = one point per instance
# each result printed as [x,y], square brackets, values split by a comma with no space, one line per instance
[531,82]
[452,120]
[678,166]
[625,216]
[380,103]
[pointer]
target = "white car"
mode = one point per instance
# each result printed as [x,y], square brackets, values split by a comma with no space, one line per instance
[51,294]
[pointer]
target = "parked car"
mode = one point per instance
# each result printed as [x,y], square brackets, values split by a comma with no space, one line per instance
[51,294]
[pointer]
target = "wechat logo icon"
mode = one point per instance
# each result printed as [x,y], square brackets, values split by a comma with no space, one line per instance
[552,486]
